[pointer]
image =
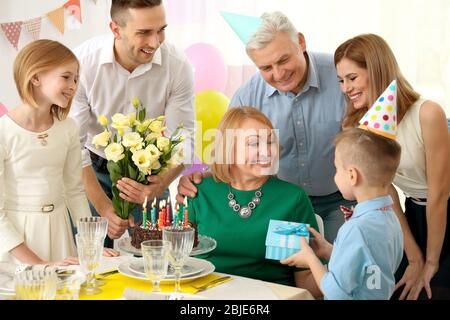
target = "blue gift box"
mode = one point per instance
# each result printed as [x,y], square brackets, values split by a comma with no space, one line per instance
[283,238]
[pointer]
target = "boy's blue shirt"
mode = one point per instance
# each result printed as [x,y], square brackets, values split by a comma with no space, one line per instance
[366,253]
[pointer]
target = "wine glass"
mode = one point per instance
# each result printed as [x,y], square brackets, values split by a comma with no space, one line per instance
[182,241]
[156,260]
[90,248]
[93,226]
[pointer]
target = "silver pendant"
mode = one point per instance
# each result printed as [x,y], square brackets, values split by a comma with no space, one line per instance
[245,212]
[43,138]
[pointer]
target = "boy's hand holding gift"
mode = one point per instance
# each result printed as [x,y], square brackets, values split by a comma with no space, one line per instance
[302,258]
[321,247]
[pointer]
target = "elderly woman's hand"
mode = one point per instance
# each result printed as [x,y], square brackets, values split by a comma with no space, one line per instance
[186,187]
[108,252]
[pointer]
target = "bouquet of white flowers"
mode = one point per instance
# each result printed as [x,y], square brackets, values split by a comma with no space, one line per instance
[136,150]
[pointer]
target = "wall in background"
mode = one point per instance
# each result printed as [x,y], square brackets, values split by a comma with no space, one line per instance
[418,31]
[95,18]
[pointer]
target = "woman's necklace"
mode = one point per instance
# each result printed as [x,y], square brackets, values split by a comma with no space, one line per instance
[244,211]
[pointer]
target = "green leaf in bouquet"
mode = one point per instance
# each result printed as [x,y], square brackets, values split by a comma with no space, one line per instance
[157,171]
[114,171]
[118,203]
[176,133]
[132,171]
[142,115]
[175,143]
[142,178]
[115,138]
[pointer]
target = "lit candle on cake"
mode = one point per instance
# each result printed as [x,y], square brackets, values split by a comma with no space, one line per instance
[161,203]
[186,214]
[144,214]
[181,214]
[168,208]
[153,212]
[175,215]
[162,217]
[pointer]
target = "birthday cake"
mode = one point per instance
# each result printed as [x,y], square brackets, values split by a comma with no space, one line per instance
[152,229]
[140,234]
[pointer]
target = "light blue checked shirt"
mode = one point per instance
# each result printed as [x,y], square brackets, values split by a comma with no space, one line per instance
[307,123]
[366,253]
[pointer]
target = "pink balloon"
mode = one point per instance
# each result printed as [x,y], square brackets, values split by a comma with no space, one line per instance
[198,165]
[209,67]
[3,109]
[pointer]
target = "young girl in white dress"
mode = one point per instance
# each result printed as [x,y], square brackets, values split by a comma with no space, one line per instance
[40,160]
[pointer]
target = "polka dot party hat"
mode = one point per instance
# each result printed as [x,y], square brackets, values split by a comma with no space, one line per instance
[381,118]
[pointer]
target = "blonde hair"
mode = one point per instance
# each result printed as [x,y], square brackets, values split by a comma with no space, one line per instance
[371,52]
[232,119]
[40,56]
[376,156]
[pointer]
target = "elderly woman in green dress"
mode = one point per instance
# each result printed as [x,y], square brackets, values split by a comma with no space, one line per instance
[235,204]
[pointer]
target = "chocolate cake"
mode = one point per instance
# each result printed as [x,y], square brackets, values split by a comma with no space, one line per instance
[139,235]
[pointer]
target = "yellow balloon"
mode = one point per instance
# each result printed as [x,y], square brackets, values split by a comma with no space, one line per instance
[210,106]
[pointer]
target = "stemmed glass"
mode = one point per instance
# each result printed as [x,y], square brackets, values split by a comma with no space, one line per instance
[93,227]
[90,248]
[182,241]
[156,260]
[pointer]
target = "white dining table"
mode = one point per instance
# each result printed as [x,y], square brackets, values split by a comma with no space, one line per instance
[239,288]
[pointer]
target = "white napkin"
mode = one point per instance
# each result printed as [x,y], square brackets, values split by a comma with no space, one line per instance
[133,294]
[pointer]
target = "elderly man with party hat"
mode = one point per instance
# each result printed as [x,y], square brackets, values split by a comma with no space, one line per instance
[299,92]
[369,246]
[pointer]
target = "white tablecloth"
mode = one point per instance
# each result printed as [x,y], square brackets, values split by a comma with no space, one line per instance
[239,288]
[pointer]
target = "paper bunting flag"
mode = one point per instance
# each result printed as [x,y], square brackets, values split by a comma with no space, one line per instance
[3,109]
[12,32]
[33,27]
[381,118]
[74,8]
[243,26]
[57,18]
[72,23]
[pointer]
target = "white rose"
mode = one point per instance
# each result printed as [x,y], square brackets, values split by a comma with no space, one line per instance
[142,126]
[135,102]
[114,152]
[143,160]
[132,140]
[156,126]
[176,159]
[132,118]
[120,122]
[102,120]
[102,139]
[156,165]
[153,150]
[153,136]
[163,144]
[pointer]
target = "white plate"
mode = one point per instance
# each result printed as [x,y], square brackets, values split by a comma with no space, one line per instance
[208,267]
[188,270]
[205,245]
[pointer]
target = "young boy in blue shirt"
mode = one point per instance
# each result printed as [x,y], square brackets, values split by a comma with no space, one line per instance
[369,246]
